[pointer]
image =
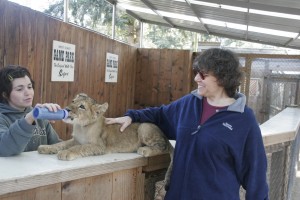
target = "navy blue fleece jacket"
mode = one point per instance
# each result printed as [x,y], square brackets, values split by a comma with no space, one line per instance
[212,160]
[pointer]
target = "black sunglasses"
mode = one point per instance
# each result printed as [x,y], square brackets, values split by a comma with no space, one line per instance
[201,74]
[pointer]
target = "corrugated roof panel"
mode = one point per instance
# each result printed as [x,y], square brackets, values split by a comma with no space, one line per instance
[266,38]
[280,3]
[226,15]
[274,23]
[223,30]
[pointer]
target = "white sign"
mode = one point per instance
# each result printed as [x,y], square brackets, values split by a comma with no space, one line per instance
[111,72]
[63,61]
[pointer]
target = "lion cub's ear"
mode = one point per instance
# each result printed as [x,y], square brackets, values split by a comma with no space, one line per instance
[82,94]
[101,108]
[104,106]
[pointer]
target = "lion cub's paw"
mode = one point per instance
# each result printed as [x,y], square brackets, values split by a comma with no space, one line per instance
[67,155]
[144,151]
[47,149]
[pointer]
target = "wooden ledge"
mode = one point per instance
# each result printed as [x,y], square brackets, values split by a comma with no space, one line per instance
[30,169]
[281,128]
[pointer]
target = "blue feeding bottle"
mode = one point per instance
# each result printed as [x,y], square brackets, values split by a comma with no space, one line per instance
[44,113]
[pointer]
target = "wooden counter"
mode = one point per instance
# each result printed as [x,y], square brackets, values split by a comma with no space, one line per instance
[281,128]
[113,176]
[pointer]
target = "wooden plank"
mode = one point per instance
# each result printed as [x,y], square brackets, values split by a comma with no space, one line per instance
[153,77]
[49,192]
[12,33]
[76,39]
[147,75]
[25,30]
[83,73]
[126,58]
[188,75]
[140,183]
[164,81]
[124,185]
[92,64]
[100,186]
[30,20]
[2,32]
[117,98]
[124,80]
[100,66]
[132,68]
[91,188]
[39,71]
[144,93]
[177,80]
[138,85]
[157,162]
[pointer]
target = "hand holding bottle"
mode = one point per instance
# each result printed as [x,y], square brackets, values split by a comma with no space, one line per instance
[51,107]
[45,113]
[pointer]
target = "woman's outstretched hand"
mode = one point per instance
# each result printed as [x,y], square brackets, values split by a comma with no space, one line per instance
[124,121]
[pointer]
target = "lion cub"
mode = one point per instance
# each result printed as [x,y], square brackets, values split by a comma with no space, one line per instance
[92,136]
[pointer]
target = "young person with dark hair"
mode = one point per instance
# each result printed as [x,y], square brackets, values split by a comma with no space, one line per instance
[19,131]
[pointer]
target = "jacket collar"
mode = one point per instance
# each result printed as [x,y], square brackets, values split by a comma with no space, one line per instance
[237,106]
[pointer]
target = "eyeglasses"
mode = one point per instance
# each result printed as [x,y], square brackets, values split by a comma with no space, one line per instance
[201,74]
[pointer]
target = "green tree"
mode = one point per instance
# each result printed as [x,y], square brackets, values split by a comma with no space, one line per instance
[93,14]
[164,37]
[97,15]
[127,28]
[56,9]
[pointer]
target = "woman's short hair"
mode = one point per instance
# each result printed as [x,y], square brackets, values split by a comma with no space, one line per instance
[7,75]
[224,65]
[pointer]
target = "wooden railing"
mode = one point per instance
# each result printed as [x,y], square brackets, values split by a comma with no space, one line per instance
[281,136]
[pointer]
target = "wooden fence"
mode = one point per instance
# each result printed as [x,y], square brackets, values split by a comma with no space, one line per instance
[146,77]
[162,76]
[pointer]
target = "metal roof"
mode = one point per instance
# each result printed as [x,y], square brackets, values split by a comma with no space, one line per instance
[273,22]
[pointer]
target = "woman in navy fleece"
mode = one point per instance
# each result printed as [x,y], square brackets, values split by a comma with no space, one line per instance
[219,146]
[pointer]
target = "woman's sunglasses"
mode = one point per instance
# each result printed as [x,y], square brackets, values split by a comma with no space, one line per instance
[201,74]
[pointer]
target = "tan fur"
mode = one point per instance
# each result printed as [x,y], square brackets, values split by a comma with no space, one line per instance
[92,136]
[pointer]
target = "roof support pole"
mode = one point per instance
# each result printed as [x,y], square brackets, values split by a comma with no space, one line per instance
[113,24]
[66,10]
[141,33]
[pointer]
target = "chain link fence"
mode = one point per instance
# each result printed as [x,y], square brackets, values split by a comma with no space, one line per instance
[273,86]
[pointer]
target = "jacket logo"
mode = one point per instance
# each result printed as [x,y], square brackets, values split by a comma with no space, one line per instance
[229,126]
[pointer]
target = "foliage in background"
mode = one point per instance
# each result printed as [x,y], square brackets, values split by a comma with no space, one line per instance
[56,9]
[164,37]
[97,15]
[92,14]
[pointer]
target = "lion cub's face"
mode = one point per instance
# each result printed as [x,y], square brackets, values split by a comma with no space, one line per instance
[84,110]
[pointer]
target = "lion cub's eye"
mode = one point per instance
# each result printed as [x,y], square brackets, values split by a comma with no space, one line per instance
[82,107]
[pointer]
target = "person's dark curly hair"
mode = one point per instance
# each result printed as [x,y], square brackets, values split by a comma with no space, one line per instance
[7,75]
[224,65]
